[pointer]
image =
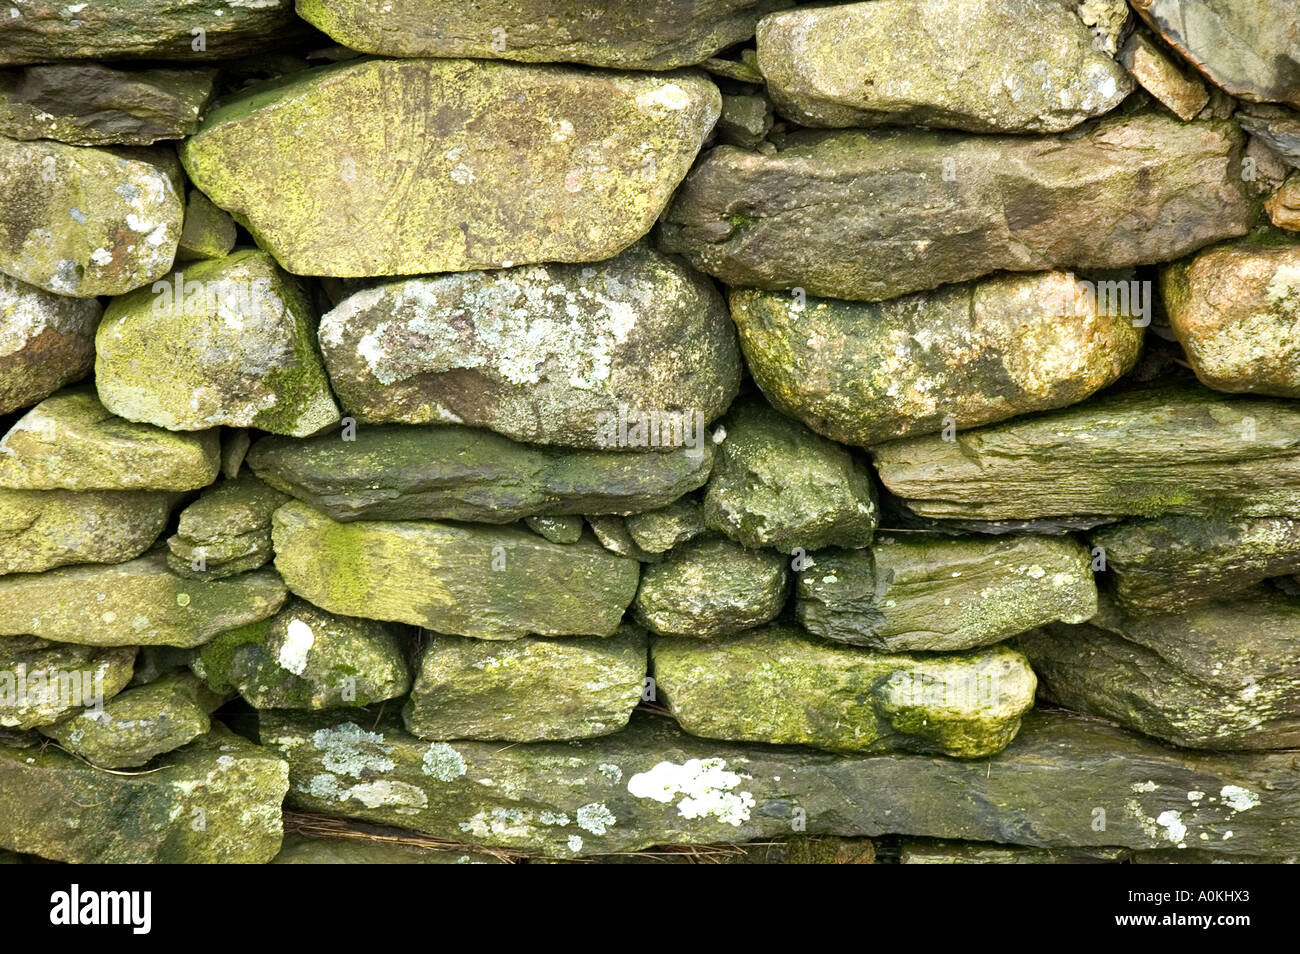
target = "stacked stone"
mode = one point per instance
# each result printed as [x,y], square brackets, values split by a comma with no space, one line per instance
[569,438]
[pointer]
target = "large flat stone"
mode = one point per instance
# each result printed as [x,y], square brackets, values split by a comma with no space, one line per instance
[42,529]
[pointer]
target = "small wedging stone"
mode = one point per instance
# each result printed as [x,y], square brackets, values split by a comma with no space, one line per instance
[1176,449]
[71,442]
[920,593]
[82,221]
[208,232]
[306,658]
[396,472]
[1234,309]
[487,582]
[1283,206]
[58,807]
[745,121]
[220,341]
[1276,126]
[874,214]
[593,159]
[621,34]
[777,484]
[46,341]
[226,531]
[657,531]
[1160,76]
[139,603]
[612,532]
[779,685]
[1024,65]
[863,372]
[43,529]
[565,529]
[711,587]
[42,682]
[635,353]
[529,690]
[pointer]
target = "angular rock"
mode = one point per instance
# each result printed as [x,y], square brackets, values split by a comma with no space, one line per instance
[656,531]
[1251,48]
[70,442]
[1234,309]
[1283,206]
[487,582]
[82,221]
[226,531]
[220,341]
[566,529]
[458,473]
[46,341]
[870,215]
[1276,126]
[623,34]
[43,529]
[354,180]
[42,682]
[529,690]
[711,587]
[1107,19]
[1160,76]
[140,603]
[1223,675]
[1173,562]
[636,353]
[208,232]
[138,724]
[919,593]
[863,372]
[1175,449]
[1024,65]
[613,535]
[86,104]
[306,658]
[745,120]
[58,807]
[777,484]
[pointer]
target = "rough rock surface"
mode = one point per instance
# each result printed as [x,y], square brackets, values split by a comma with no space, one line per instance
[42,529]
[1160,76]
[656,531]
[42,682]
[208,232]
[226,531]
[46,341]
[1276,126]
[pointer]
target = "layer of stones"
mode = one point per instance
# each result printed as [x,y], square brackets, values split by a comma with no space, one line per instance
[489,432]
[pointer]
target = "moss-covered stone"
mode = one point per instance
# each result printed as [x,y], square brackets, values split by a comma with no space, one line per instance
[529,690]
[42,529]
[612,533]
[226,531]
[561,529]
[208,232]
[46,341]
[42,682]
[487,582]
[711,587]
[658,530]
[920,593]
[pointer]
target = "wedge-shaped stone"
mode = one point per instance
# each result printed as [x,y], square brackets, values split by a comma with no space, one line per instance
[1276,126]
[921,593]
[71,442]
[635,353]
[487,582]
[652,785]
[564,529]
[1223,675]
[396,167]
[971,354]
[711,587]
[226,531]
[58,807]
[1163,450]
[532,689]
[208,231]
[1025,65]
[140,603]
[42,529]
[459,473]
[658,530]
[42,682]
[1160,76]
[872,215]
[46,341]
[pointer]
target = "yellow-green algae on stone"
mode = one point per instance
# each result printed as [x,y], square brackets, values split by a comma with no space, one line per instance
[656,531]
[46,341]
[42,529]
[208,231]
[779,685]
[487,582]
[226,531]
[400,167]
[42,682]
[219,341]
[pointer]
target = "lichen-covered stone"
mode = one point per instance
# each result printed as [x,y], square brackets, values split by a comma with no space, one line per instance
[1172,562]
[83,221]
[921,593]
[42,529]
[745,120]
[529,690]
[220,341]
[306,658]
[1024,65]
[487,582]
[226,531]
[965,355]
[562,529]
[711,587]
[623,34]
[140,723]
[208,232]
[86,104]
[139,603]
[1235,309]
[874,214]
[612,532]
[393,472]
[656,531]
[1175,449]
[46,341]
[71,442]
[42,682]
[1160,76]
[635,353]
[777,484]
[216,801]
[780,685]
[396,167]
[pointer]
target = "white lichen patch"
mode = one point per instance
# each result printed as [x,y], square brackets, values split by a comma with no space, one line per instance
[403,797]
[443,763]
[1238,799]
[297,644]
[1172,823]
[595,818]
[348,749]
[704,789]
